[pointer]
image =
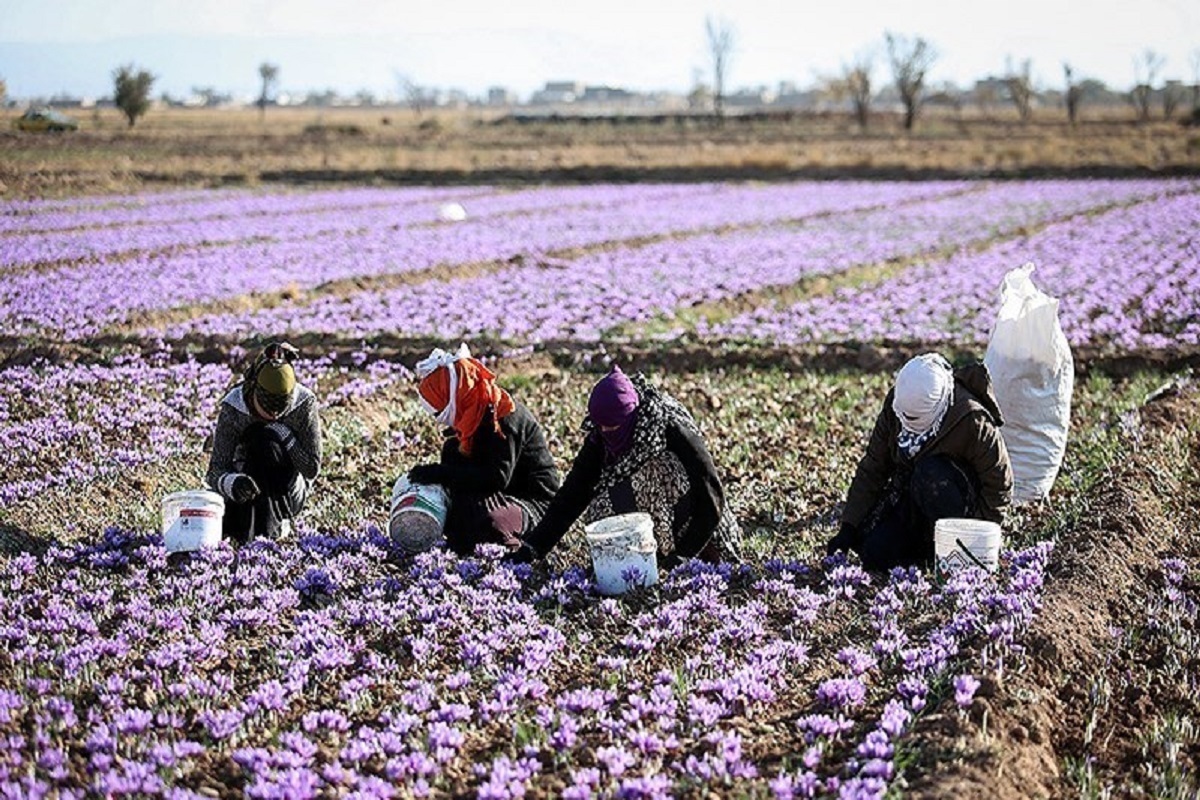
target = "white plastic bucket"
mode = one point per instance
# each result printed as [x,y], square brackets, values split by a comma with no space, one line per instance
[191,520]
[418,516]
[961,543]
[620,545]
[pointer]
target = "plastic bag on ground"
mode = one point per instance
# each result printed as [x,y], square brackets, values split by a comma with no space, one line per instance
[1033,375]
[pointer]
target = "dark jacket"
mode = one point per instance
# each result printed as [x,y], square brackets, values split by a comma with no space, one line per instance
[970,434]
[300,417]
[518,463]
[692,533]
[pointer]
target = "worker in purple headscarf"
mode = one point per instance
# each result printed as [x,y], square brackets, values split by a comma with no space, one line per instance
[642,451]
[936,452]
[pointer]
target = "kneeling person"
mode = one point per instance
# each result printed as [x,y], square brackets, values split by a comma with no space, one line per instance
[935,453]
[266,448]
[642,452]
[495,464]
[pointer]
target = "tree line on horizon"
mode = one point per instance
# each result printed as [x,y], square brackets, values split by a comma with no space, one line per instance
[909,59]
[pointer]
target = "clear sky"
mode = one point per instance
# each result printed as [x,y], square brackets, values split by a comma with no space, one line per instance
[50,46]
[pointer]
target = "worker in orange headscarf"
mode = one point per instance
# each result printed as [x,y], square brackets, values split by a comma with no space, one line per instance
[495,463]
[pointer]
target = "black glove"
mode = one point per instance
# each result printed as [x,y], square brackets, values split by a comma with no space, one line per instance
[522,555]
[669,562]
[426,474]
[847,538]
[243,489]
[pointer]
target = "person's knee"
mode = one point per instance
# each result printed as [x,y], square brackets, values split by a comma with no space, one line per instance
[267,443]
[940,488]
[875,552]
[507,523]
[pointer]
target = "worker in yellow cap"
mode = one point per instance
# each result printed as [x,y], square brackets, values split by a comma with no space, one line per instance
[266,448]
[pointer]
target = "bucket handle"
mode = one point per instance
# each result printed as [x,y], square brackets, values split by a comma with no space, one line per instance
[970,555]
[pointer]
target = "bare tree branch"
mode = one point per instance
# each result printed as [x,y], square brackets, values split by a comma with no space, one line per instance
[721,38]
[1019,83]
[269,74]
[910,60]
[1145,71]
[1072,94]
[857,80]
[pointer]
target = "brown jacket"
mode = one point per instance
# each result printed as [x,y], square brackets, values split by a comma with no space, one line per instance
[970,434]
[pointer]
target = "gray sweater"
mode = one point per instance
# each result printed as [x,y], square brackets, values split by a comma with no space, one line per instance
[300,418]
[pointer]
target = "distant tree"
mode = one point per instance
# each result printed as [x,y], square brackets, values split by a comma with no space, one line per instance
[1019,83]
[1072,94]
[700,96]
[209,95]
[412,93]
[856,78]
[910,60]
[985,96]
[1172,96]
[1196,84]
[721,38]
[131,91]
[1145,70]
[3,91]
[269,74]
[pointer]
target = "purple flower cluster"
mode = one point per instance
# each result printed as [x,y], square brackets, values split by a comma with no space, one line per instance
[1128,278]
[584,298]
[269,253]
[64,424]
[126,674]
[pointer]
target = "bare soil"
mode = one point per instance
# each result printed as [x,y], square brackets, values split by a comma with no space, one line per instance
[172,147]
[1021,731]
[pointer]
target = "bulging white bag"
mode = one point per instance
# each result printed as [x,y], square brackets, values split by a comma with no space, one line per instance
[1033,376]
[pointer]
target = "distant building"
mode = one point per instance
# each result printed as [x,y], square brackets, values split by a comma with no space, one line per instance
[757,97]
[500,96]
[556,92]
[606,94]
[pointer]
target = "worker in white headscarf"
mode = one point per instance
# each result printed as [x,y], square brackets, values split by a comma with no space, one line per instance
[935,453]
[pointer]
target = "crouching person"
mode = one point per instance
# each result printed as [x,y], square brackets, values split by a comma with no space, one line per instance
[266,448]
[642,452]
[935,453]
[495,464]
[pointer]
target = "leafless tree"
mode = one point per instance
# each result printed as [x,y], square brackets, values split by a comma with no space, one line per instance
[1195,84]
[269,74]
[1019,83]
[1072,94]
[910,60]
[411,91]
[721,38]
[1145,71]
[1172,96]
[986,97]
[856,79]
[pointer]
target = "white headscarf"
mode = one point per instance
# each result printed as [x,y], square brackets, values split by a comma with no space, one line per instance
[924,391]
[436,360]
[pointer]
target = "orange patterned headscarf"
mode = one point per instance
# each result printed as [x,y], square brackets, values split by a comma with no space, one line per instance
[461,400]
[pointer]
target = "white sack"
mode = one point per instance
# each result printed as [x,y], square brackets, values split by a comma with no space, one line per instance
[1033,376]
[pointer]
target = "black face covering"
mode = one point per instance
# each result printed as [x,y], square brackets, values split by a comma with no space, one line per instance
[271,380]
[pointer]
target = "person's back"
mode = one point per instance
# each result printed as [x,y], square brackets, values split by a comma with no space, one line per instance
[514,456]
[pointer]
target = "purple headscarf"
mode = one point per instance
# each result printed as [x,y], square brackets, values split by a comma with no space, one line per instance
[614,402]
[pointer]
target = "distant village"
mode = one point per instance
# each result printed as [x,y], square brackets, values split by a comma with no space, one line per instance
[574,98]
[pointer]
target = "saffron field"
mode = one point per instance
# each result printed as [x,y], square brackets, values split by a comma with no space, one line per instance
[328,665]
